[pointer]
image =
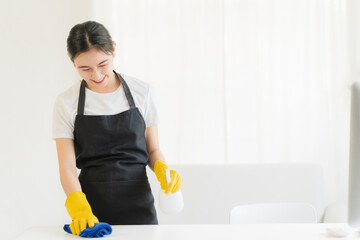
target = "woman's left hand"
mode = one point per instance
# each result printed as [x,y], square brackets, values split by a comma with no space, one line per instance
[160,172]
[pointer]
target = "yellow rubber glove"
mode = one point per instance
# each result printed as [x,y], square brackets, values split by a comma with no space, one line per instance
[160,172]
[80,211]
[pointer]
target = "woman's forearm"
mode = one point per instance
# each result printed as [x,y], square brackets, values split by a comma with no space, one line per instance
[154,156]
[69,180]
[67,165]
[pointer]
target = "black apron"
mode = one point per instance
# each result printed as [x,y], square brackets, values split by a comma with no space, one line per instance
[111,153]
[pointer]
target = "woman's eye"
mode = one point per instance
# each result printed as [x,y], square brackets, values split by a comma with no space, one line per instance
[102,66]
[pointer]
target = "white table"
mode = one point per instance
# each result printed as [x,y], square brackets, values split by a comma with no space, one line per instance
[199,232]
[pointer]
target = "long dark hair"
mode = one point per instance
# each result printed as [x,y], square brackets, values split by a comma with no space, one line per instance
[86,35]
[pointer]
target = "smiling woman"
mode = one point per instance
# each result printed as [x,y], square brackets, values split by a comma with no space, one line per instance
[96,68]
[92,51]
[110,143]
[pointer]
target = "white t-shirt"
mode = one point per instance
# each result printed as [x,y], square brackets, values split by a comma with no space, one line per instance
[66,104]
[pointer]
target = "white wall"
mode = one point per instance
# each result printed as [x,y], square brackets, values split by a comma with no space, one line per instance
[34,69]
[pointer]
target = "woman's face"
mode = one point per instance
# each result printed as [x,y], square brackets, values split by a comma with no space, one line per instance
[96,68]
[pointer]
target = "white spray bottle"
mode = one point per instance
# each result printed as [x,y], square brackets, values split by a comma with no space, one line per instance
[171,203]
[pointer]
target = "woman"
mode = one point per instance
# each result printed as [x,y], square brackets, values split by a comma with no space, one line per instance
[106,125]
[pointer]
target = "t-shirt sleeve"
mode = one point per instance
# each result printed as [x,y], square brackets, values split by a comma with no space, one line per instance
[62,121]
[151,115]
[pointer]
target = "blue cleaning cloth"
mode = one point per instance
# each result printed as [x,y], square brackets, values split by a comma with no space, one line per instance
[99,230]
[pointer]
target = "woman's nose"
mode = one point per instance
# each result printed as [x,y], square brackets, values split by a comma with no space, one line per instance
[96,74]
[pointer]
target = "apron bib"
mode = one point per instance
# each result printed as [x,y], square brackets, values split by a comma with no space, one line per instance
[111,153]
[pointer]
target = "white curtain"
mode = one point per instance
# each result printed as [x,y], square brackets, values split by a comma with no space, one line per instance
[243,81]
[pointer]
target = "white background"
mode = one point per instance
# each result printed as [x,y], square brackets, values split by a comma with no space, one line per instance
[237,82]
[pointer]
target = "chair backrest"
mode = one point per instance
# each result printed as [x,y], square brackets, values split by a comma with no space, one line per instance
[288,212]
[211,191]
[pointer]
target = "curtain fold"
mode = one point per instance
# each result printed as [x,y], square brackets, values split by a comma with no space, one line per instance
[243,81]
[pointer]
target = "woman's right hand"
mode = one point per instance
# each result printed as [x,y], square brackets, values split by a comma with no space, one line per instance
[80,211]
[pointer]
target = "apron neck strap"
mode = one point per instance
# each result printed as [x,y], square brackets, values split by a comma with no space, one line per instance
[127,91]
[81,103]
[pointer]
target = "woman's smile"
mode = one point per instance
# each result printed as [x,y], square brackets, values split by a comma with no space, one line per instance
[98,82]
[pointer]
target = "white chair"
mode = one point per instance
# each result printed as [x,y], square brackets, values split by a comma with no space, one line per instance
[211,190]
[287,212]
